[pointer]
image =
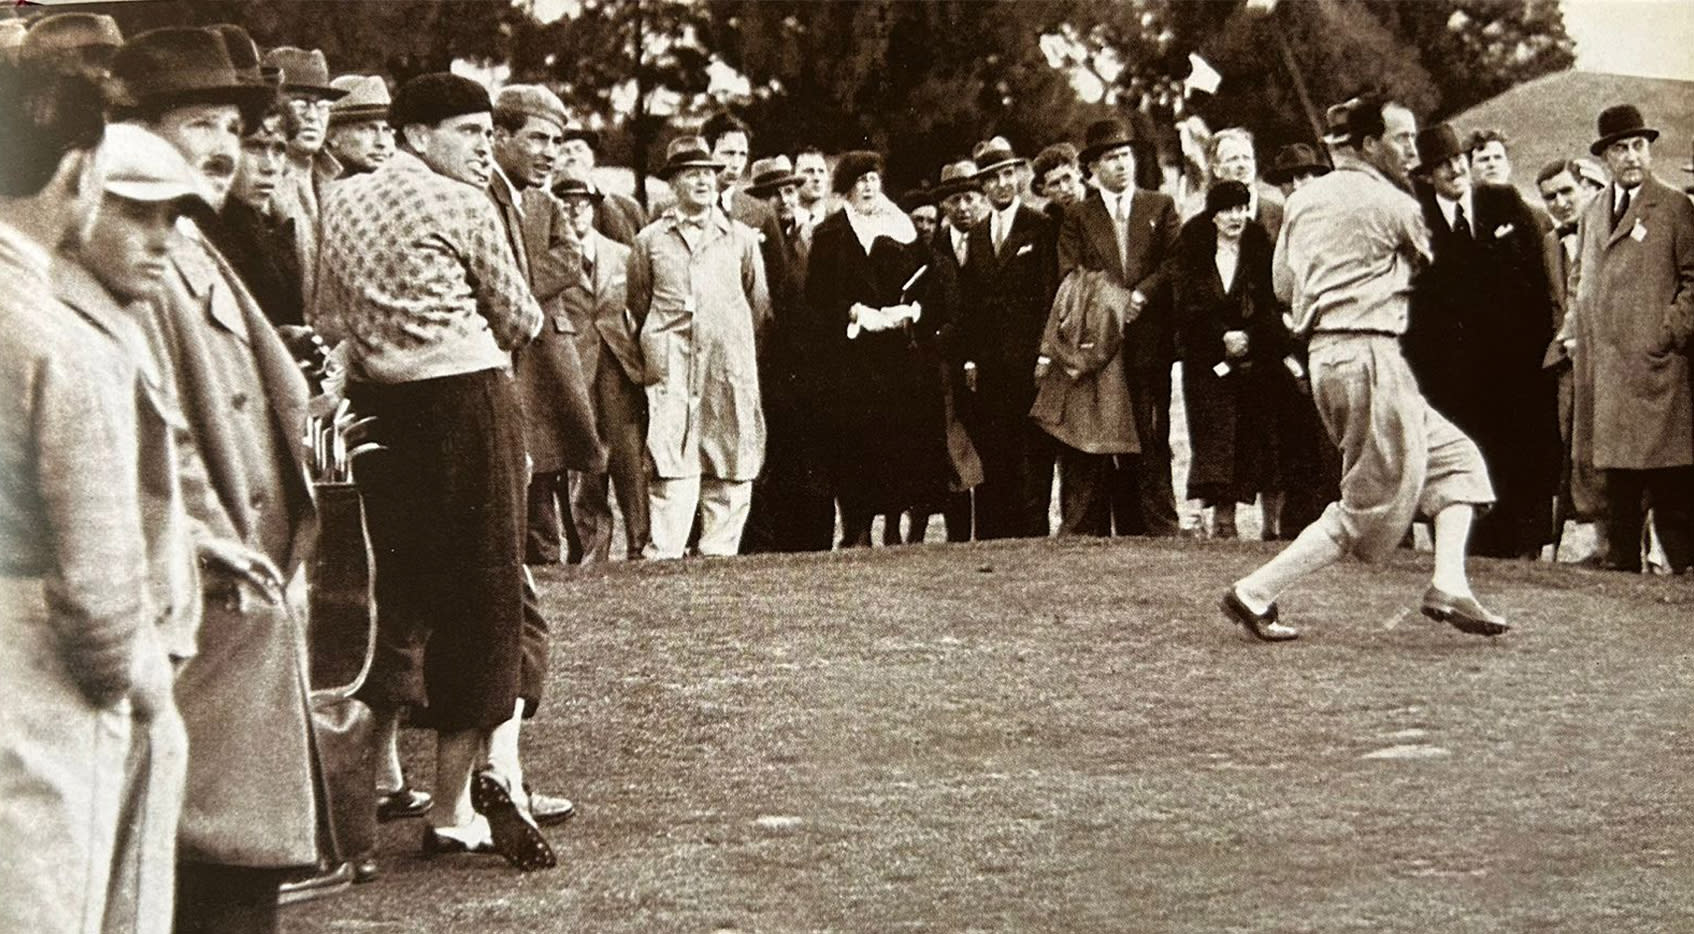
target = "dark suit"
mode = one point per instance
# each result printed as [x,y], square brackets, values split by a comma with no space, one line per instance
[619,217]
[1007,296]
[1481,319]
[1141,499]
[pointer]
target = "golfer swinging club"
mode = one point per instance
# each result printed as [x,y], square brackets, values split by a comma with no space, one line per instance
[1344,262]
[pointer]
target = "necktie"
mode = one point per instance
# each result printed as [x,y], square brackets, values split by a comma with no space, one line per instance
[1120,214]
[1623,208]
[1461,226]
[999,232]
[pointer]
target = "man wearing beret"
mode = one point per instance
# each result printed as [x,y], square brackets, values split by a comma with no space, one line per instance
[429,295]
[250,812]
[1630,322]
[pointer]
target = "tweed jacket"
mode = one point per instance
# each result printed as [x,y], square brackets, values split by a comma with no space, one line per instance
[697,309]
[250,797]
[1634,306]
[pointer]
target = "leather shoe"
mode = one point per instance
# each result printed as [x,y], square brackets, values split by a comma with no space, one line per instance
[436,843]
[516,838]
[1464,613]
[548,810]
[407,802]
[365,870]
[324,880]
[1262,626]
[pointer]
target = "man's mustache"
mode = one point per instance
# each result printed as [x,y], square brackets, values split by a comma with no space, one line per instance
[219,166]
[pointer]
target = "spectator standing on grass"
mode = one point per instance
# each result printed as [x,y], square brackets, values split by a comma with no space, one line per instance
[1629,324]
[433,301]
[1129,233]
[697,294]
[1566,187]
[250,814]
[1350,243]
[1480,324]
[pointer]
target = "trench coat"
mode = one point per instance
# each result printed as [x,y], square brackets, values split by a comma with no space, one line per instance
[75,571]
[250,798]
[698,309]
[1634,312]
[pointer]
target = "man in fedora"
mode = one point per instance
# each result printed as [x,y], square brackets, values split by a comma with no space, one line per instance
[792,509]
[1127,232]
[593,305]
[1007,289]
[962,204]
[1481,320]
[359,137]
[1633,312]
[250,813]
[1350,243]
[697,294]
[74,43]
[1295,165]
[423,282]
[616,215]
[306,88]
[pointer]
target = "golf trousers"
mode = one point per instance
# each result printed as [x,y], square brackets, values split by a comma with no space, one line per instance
[1399,457]
[673,502]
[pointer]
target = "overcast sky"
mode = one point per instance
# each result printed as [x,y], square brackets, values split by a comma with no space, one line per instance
[1654,38]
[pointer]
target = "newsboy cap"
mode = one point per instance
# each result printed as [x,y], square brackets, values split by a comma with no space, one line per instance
[140,165]
[532,100]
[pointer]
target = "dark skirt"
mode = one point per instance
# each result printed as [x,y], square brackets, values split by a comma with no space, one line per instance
[445,508]
[1232,423]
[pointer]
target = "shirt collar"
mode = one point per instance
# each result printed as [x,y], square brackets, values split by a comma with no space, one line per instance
[1448,207]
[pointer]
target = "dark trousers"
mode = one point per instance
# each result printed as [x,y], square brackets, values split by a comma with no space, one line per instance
[549,518]
[213,899]
[1016,492]
[1670,493]
[1143,497]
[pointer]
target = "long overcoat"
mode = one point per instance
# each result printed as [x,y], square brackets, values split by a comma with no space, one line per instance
[1634,308]
[881,398]
[250,796]
[698,308]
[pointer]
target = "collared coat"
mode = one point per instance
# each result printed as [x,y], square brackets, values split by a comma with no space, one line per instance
[250,798]
[553,381]
[1087,239]
[1083,400]
[1480,322]
[1634,308]
[698,308]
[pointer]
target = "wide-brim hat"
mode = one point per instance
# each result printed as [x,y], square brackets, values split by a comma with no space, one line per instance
[573,182]
[177,66]
[687,152]
[65,33]
[1620,122]
[1338,123]
[1436,145]
[304,72]
[992,155]
[1103,136]
[591,137]
[1295,159]
[771,175]
[956,178]
[367,99]
[244,55]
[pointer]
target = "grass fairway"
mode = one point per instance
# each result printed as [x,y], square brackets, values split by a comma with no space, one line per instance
[1067,736]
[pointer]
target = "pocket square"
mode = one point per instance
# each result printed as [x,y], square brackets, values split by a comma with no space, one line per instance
[1025,248]
[1504,230]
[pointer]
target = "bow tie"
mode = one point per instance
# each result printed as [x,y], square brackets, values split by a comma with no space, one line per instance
[1565,230]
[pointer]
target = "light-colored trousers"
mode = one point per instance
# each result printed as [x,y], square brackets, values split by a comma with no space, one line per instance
[1399,457]
[721,505]
[89,797]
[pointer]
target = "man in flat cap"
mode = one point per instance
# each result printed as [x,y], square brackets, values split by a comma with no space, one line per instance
[250,814]
[1629,327]
[697,291]
[359,136]
[424,285]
